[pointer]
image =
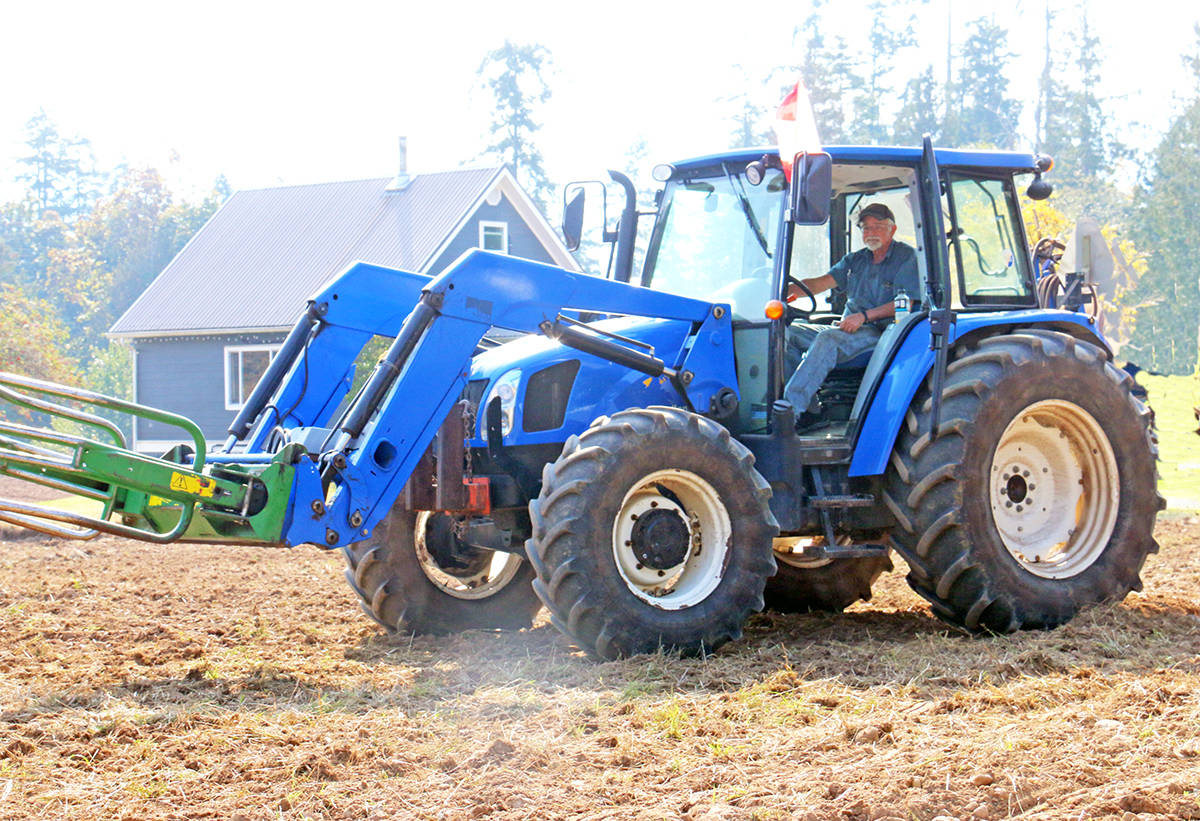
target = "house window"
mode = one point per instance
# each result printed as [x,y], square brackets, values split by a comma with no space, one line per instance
[493,236]
[244,365]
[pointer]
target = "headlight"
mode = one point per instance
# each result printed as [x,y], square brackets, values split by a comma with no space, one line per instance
[505,390]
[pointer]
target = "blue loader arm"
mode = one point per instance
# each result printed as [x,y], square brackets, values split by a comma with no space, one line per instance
[403,405]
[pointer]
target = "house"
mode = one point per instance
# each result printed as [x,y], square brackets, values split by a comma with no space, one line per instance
[208,325]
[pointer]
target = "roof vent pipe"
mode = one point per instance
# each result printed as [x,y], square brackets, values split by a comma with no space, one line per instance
[401,180]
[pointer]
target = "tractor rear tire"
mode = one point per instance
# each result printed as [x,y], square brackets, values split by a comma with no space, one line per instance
[1037,495]
[829,586]
[652,532]
[404,588]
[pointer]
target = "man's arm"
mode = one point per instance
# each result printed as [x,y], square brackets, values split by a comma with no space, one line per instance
[853,322]
[817,285]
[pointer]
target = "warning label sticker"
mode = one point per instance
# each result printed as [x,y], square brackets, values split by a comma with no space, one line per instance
[192,484]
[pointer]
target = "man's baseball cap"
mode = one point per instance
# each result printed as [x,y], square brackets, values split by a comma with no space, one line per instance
[877,210]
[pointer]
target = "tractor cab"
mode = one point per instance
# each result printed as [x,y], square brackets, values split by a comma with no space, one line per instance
[730,229]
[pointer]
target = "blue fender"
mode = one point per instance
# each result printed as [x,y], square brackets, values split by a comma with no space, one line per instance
[912,363]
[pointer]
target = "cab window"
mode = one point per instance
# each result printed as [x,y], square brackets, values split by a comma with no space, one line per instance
[986,251]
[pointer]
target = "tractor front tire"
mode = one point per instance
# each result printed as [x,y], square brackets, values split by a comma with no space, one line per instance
[1036,497]
[827,586]
[652,532]
[404,587]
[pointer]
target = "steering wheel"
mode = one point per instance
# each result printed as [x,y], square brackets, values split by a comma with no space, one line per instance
[793,313]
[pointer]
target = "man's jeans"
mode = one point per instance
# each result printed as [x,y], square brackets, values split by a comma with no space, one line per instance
[827,347]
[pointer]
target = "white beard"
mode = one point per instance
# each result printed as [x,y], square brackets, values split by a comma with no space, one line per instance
[873,243]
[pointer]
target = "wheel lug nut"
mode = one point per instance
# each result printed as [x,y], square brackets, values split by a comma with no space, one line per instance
[1018,508]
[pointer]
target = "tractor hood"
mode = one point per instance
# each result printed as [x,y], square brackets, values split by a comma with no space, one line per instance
[547,391]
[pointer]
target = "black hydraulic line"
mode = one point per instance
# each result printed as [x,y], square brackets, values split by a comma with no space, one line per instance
[392,363]
[275,372]
[597,346]
[637,343]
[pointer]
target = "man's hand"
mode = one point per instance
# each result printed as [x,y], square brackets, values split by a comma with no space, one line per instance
[852,323]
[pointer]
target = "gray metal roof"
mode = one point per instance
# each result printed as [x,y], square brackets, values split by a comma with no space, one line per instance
[266,250]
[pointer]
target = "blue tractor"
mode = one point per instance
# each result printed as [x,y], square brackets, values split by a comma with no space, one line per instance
[627,461]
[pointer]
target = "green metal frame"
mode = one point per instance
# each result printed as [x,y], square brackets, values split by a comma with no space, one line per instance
[127,483]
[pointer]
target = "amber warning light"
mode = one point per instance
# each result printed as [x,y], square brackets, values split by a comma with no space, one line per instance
[774,309]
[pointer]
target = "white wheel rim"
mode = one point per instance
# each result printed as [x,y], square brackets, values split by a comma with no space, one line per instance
[478,582]
[709,533]
[1054,489]
[794,552]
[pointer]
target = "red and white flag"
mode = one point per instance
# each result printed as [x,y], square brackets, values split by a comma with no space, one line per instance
[795,127]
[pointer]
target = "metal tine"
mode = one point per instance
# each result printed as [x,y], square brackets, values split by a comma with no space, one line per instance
[36,512]
[58,484]
[19,447]
[41,526]
[45,434]
[55,409]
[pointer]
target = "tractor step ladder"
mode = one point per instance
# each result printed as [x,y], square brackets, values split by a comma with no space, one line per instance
[826,503]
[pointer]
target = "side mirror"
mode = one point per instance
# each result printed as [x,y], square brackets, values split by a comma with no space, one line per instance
[812,188]
[1039,189]
[572,223]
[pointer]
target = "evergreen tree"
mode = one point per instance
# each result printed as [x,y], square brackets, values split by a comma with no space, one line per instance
[515,75]
[1090,126]
[749,114]
[830,72]
[1051,120]
[888,35]
[60,172]
[1168,296]
[919,107]
[981,112]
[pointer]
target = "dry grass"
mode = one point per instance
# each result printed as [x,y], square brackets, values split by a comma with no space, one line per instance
[196,682]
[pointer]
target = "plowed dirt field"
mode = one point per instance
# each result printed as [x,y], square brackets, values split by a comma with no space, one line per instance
[238,683]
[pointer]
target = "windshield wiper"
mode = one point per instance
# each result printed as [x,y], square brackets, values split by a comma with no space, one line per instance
[740,190]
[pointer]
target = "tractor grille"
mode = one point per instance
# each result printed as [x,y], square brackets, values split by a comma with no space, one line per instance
[546,396]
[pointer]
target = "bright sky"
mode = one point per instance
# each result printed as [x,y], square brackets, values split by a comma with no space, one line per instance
[275,93]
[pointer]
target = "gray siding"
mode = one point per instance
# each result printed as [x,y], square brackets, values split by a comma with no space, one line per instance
[186,376]
[521,241]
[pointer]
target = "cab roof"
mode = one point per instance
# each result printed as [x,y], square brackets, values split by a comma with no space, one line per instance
[889,154]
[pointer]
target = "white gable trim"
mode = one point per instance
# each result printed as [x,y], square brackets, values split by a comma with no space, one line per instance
[505,183]
[537,222]
[131,336]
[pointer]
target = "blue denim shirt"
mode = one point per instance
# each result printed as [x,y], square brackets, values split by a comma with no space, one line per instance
[869,285]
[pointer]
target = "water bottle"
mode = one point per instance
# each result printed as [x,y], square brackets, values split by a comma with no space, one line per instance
[902,304]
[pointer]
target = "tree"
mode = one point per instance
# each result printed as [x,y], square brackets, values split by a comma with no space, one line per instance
[1165,337]
[748,115]
[27,239]
[60,171]
[981,112]
[115,251]
[32,337]
[919,107]
[831,74]
[1072,122]
[887,36]
[514,74]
